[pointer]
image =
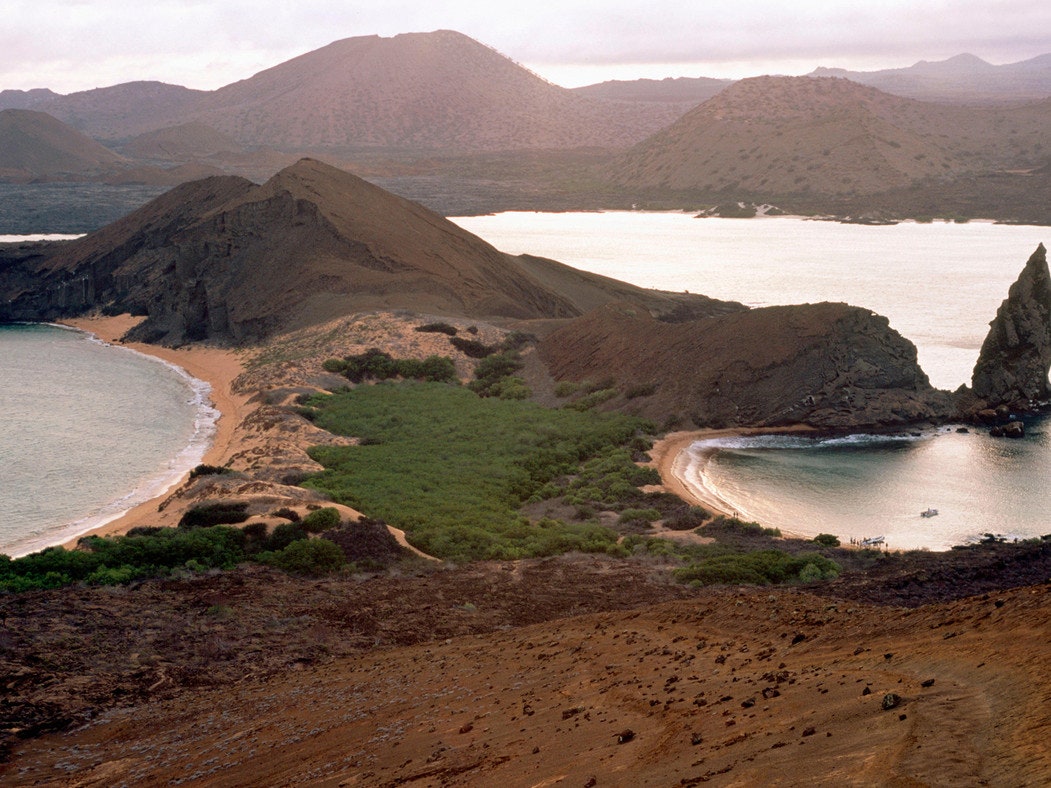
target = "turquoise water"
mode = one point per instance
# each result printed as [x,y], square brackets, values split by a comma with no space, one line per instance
[940,284]
[89,430]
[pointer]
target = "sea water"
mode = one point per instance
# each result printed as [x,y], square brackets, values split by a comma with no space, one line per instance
[939,284]
[89,430]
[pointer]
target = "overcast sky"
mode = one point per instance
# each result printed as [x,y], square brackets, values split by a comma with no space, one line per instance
[70,45]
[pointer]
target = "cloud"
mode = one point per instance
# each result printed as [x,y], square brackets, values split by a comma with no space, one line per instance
[70,45]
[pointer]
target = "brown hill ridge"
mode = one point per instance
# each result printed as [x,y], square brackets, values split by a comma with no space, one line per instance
[827,365]
[777,136]
[228,260]
[425,91]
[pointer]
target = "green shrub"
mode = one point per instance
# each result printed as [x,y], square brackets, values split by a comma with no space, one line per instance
[309,557]
[320,520]
[827,540]
[437,328]
[692,517]
[761,567]
[472,347]
[206,470]
[566,388]
[208,514]
[639,516]
[286,514]
[283,535]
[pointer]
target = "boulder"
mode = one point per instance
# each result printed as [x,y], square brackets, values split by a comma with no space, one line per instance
[1014,429]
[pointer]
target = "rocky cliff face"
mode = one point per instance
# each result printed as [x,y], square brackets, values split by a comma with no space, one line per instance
[829,365]
[1013,365]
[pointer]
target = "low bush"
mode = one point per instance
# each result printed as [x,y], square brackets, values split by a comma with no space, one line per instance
[472,348]
[320,520]
[827,540]
[208,514]
[437,328]
[206,470]
[308,557]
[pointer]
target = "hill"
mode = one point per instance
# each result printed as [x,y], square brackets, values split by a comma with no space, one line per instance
[122,111]
[228,260]
[25,99]
[960,79]
[686,91]
[827,365]
[181,143]
[770,137]
[34,145]
[429,91]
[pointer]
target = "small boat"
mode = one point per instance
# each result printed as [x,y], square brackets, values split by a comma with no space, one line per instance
[929,512]
[872,541]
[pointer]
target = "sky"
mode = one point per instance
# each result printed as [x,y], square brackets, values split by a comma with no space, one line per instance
[71,45]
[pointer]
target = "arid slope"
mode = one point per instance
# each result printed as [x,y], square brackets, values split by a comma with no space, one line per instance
[778,136]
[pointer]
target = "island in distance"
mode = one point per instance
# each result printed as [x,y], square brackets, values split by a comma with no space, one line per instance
[464,129]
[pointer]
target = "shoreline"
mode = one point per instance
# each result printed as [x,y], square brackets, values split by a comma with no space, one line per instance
[669,456]
[215,366]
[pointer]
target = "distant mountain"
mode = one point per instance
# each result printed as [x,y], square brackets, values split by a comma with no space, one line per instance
[184,142]
[25,99]
[688,91]
[123,111]
[34,145]
[225,259]
[421,91]
[960,79]
[768,137]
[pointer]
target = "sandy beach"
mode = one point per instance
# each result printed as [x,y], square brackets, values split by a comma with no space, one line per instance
[671,460]
[215,366]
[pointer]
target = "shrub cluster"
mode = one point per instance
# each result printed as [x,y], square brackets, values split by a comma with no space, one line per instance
[453,469]
[157,552]
[219,513]
[374,364]
[437,328]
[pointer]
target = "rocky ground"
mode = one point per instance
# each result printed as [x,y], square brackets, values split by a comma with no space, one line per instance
[572,671]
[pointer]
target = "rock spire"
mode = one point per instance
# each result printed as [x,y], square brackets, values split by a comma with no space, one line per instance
[1015,358]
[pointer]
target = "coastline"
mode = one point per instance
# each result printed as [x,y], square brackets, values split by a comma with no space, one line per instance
[669,457]
[215,366]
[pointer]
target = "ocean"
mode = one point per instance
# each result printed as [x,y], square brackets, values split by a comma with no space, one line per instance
[939,284]
[89,431]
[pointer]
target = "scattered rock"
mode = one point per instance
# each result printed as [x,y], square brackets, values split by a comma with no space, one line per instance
[625,736]
[927,683]
[890,701]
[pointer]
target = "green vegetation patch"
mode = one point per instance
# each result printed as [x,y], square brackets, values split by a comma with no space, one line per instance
[727,564]
[453,469]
